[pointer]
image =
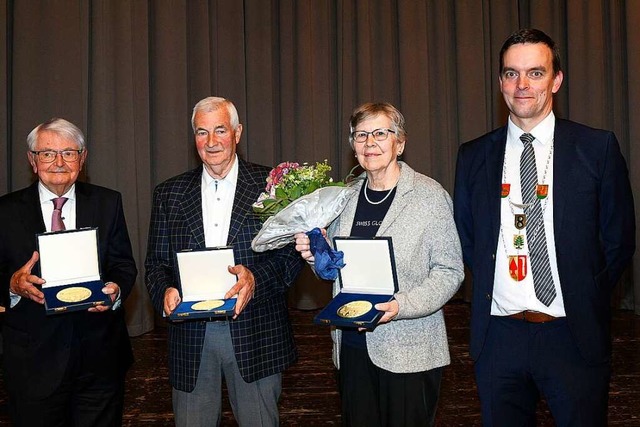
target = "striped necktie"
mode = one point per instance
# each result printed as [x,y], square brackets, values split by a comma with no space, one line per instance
[537,241]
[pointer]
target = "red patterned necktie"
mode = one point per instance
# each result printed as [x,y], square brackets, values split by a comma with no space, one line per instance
[56,218]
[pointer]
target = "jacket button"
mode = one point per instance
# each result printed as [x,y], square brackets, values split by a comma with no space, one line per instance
[493,257]
[487,296]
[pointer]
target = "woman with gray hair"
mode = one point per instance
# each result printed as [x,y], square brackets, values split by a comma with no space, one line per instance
[391,376]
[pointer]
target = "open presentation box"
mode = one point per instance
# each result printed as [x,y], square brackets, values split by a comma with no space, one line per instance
[204,280]
[70,264]
[368,277]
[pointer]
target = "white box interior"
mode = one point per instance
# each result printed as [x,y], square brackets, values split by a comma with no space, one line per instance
[204,274]
[69,258]
[368,266]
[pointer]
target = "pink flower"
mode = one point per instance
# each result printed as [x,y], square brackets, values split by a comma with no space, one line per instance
[276,174]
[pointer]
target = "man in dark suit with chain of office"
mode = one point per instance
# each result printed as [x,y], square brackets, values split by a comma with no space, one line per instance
[207,207]
[546,219]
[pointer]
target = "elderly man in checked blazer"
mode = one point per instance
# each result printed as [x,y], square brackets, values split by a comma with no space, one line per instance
[207,207]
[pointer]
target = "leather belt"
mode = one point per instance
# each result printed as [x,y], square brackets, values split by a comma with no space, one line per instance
[532,317]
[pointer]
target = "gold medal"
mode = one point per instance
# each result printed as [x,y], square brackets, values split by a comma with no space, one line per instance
[354,309]
[74,294]
[207,305]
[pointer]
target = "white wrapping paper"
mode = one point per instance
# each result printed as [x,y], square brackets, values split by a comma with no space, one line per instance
[317,209]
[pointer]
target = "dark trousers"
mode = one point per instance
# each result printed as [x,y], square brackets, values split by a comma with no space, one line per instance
[82,399]
[520,361]
[374,397]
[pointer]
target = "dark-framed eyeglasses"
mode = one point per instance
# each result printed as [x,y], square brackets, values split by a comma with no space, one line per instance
[49,156]
[378,134]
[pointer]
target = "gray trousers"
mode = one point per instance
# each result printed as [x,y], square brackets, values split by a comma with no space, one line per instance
[254,404]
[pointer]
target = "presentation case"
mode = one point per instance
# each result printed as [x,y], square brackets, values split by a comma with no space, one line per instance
[70,264]
[204,280]
[368,277]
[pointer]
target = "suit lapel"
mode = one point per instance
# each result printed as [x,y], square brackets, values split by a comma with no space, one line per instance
[242,201]
[32,212]
[192,206]
[85,210]
[563,155]
[494,156]
[405,185]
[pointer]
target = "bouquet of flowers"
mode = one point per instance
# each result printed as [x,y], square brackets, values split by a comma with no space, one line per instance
[289,181]
[298,199]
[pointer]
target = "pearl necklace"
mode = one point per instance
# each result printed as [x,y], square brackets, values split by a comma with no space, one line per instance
[384,198]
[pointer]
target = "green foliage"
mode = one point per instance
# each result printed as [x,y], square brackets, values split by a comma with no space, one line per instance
[290,181]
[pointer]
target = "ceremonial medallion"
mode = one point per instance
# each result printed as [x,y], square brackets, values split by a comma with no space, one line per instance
[506,188]
[354,309]
[74,294]
[518,267]
[520,221]
[518,241]
[542,191]
[207,305]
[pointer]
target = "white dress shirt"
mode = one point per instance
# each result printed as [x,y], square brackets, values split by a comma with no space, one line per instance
[217,203]
[68,210]
[511,296]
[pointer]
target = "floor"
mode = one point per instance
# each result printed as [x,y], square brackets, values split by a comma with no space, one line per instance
[309,396]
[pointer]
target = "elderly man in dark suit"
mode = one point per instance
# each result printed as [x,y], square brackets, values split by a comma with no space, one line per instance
[206,207]
[545,214]
[64,369]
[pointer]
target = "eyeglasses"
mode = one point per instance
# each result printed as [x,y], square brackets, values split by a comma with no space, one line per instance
[49,156]
[378,134]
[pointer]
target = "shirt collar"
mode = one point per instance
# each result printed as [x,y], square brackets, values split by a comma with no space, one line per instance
[543,131]
[46,195]
[230,179]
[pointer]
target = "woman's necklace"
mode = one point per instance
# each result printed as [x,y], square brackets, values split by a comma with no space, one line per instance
[384,198]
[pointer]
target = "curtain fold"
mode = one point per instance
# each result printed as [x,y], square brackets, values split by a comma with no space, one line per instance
[129,72]
[5,65]
[118,131]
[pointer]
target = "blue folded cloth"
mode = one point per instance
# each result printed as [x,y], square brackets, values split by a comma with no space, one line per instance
[327,261]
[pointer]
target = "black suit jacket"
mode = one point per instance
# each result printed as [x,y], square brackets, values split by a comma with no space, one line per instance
[594,226]
[37,347]
[262,335]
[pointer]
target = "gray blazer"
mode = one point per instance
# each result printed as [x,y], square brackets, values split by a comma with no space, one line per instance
[430,270]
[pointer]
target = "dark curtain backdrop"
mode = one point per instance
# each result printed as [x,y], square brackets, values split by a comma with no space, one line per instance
[128,72]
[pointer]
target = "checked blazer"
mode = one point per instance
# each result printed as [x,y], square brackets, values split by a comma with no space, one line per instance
[262,335]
